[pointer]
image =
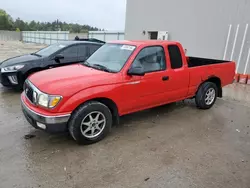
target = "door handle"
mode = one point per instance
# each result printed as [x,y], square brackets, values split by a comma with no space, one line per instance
[165,78]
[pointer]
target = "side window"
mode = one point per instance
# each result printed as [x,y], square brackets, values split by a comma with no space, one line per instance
[151,59]
[93,48]
[70,52]
[175,56]
[82,51]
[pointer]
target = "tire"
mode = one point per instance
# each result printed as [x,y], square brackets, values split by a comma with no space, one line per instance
[202,99]
[19,87]
[81,124]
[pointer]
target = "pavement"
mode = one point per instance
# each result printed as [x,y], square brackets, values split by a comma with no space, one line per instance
[176,145]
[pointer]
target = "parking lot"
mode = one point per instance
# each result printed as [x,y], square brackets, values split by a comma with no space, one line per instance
[175,145]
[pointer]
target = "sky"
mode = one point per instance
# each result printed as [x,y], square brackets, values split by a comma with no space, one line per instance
[104,14]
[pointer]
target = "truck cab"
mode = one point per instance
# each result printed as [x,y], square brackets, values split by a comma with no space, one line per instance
[164,78]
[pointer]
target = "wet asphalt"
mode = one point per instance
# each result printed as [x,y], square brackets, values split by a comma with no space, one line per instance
[176,145]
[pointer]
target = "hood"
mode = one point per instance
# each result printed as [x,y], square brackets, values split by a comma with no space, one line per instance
[71,79]
[19,60]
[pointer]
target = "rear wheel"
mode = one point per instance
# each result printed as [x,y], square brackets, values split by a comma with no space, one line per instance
[90,123]
[206,95]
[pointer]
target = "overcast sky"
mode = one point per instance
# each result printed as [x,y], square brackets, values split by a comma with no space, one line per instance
[107,14]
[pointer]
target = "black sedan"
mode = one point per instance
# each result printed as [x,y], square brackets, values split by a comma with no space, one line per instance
[15,70]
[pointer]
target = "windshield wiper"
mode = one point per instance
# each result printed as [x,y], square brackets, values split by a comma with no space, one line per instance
[36,54]
[102,67]
[97,66]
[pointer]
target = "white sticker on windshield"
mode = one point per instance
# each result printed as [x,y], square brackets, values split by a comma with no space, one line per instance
[127,47]
[61,46]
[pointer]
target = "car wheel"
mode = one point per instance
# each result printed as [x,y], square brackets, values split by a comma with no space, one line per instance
[90,123]
[19,87]
[206,95]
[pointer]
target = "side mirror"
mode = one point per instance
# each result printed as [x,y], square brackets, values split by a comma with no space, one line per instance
[136,71]
[58,57]
[158,59]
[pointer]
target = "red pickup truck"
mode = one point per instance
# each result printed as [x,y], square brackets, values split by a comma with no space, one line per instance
[120,78]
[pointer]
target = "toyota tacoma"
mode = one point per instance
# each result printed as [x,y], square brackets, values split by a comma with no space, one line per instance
[121,77]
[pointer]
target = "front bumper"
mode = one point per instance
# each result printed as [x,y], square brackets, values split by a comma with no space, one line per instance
[50,124]
[11,79]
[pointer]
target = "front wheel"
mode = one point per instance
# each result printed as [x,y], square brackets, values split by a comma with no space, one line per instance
[90,123]
[206,95]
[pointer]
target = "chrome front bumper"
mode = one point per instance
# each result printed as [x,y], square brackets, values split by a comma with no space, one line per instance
[42,118]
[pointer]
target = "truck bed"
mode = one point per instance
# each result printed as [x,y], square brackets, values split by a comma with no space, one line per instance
[201,69]
[197,61]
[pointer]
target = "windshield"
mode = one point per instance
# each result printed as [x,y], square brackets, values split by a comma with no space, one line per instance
[50,50]
[111,56]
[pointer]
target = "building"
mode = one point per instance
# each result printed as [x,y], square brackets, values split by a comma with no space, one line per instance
[206,28]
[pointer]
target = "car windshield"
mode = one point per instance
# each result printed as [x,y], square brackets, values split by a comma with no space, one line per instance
[112,57]
[50,50]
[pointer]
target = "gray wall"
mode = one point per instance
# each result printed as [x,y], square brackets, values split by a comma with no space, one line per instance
[44,37]
[50,37]
[107,35]
[200,25]
[10,35]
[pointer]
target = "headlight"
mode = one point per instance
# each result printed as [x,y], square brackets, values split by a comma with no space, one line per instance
[13,68]
[48,101]
[43,100]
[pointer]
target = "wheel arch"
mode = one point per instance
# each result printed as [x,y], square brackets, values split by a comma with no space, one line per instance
[217,81]
[109,103]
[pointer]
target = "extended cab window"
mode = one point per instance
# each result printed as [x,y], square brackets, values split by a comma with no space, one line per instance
[175,56]
[151,59]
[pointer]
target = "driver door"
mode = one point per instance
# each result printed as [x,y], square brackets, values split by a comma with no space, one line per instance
[141,92]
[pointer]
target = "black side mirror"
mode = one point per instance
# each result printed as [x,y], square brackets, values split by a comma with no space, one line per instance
[136,71]
[159,59]
[58,57]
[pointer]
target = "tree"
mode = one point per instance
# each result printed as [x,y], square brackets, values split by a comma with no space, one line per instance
[6,22]
[33,25]
[26,27]
[19,24]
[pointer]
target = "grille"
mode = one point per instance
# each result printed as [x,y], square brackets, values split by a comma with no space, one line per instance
[28,92]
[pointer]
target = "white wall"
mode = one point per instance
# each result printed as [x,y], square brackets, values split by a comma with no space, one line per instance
[107,35]
[50,37]
[80,35]
[44,37]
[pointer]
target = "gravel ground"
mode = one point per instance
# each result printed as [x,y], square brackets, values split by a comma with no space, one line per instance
[175,145]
